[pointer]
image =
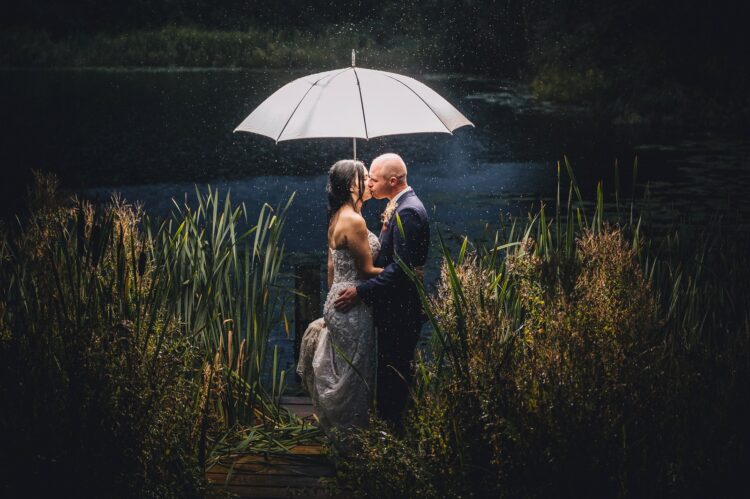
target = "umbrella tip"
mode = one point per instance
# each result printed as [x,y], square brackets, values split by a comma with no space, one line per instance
[353,57]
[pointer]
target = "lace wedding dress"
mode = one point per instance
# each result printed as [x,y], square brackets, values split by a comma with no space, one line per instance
[338,360]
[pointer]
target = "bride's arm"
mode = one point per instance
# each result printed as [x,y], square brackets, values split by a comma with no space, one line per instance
[330,268]
[359,246]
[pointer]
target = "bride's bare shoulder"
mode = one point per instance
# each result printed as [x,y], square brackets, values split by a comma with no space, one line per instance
[350,219]
[348,227]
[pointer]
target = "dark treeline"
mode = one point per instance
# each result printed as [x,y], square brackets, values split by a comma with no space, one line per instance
[485,35]
[677,63]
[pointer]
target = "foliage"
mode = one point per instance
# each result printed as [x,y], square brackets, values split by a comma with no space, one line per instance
[253,47]
[131,355]
[223,290]
[635,61]
[571,358]
[385,466]
[95,403]
[632,61]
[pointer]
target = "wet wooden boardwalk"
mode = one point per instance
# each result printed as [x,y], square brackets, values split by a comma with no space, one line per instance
[290,475]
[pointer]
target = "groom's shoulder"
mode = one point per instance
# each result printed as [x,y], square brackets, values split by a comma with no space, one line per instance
[413,202]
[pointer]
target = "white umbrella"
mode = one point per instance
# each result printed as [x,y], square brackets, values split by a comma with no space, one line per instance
[352,102]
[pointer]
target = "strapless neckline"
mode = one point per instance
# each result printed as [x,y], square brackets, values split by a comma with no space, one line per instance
[344,265]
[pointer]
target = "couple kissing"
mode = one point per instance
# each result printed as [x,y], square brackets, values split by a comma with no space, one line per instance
[363,346]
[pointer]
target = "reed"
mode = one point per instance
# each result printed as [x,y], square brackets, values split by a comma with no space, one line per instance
[572,356]
[133,352]
[96,370]
[225,291]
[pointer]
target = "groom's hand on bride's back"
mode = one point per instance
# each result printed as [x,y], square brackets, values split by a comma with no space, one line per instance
[346,299]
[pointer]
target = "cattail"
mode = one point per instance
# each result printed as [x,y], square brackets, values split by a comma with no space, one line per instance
[219,353]
[241,357]
[203,399]
[229,349]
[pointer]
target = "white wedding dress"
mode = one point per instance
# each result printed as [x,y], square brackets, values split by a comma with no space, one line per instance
[338,361]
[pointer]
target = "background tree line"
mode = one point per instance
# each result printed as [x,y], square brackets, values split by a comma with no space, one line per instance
[487,35]
[679,63]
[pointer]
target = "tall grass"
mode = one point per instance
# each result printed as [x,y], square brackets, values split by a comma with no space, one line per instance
[225,291]
[132,353]
[98,383]
[576,356]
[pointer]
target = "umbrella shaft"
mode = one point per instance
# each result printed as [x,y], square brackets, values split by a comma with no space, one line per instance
[354,146]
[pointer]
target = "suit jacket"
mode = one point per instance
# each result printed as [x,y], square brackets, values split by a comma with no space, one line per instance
[392,294]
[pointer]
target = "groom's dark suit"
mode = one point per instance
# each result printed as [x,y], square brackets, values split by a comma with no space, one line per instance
[396,305]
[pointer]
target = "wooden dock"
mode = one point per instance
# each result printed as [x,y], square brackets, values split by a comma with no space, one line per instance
[290,475]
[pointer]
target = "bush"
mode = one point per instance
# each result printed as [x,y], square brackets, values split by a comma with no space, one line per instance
[583,366]
[132,358]
[95,403]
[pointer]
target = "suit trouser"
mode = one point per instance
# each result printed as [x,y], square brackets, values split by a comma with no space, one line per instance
[396,343]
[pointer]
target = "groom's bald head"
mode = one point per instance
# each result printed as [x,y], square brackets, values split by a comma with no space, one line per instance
[387,176]
[390,165]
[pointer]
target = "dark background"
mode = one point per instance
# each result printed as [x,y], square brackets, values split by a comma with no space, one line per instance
[648,68]
[698,43]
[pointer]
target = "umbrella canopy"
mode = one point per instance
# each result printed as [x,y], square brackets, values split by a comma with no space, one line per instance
[352,102]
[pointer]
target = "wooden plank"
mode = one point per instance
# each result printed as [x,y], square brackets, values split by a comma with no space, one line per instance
[243,491]
[291,460]
[298,454]
[296,474]
[293,463]
[301,411]
[320,468]
[295,400]
[263,480]
[308,450]
[305,451]
[313,456]
[300,406]
[220,475]
[255,463]
[305,456]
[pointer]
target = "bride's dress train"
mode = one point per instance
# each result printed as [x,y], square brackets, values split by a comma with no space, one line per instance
[339,368]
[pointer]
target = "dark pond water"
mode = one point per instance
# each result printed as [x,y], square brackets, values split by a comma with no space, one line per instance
[153,135]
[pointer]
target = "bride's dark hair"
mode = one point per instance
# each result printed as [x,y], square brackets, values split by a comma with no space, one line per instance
[340,179]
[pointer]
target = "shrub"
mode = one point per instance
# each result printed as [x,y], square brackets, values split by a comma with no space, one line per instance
[582,363]
[132,357]
[95,403]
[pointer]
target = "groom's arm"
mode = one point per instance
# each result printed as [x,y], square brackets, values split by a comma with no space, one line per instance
[409,247]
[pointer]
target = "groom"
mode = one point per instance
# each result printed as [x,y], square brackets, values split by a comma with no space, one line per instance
[392,295]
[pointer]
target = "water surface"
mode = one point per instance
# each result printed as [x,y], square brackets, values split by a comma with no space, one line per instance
[153,135]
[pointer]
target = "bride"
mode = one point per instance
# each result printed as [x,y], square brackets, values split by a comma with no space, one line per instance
[338,360]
